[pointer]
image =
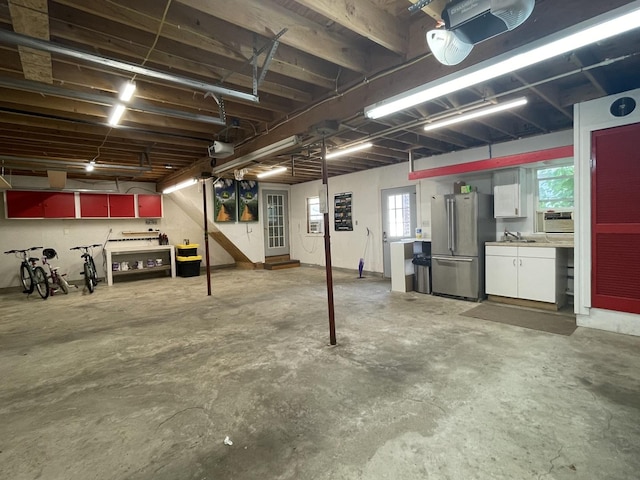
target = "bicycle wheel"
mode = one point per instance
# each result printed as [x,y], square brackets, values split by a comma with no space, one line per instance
[42,284]
[64,285]
[25,278]
[88,281]
[94,272]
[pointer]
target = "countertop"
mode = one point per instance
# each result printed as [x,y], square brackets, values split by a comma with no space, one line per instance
[546,244]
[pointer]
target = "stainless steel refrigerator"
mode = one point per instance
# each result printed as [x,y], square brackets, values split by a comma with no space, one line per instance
[460,224]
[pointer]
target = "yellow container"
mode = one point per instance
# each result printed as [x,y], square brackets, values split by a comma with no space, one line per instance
[192,258]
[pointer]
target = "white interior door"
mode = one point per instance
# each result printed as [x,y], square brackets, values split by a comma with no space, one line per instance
[398,220]
[276,222]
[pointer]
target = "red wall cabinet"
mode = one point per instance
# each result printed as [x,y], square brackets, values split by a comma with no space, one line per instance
[122,206]
[94,205]
[22,204]
[149,206]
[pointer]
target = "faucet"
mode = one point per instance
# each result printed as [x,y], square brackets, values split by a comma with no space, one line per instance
[508,234]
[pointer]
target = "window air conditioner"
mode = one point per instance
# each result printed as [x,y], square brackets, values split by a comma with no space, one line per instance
[555,222]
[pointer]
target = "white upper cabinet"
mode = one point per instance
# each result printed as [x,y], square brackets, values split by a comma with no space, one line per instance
[509,194]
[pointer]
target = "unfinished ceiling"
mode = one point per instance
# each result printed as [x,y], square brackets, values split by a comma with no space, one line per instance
[315,61]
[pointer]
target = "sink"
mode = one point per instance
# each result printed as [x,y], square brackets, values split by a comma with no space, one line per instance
[524,240]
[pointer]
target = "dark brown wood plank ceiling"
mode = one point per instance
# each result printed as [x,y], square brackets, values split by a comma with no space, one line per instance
[333,59]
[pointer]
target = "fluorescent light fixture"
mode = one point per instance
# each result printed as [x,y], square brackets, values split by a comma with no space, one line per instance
[116,114]
[594,30]
[476,114]
[181,185]
[258,154]
[273,171]
[127,91]
[347,151]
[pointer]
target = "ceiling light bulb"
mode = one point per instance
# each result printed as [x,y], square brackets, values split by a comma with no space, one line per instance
[90,166]
[347,151]
[273,171]
[476,114]
[127,91]
[116,114]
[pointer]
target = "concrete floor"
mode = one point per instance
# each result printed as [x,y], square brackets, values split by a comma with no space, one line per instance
[143,380]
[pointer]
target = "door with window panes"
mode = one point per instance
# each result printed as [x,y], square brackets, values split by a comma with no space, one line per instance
[276,222]
[398,220]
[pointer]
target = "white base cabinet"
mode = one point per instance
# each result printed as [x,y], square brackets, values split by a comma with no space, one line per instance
[530,273]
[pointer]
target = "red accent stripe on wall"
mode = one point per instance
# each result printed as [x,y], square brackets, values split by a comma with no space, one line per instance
[493,163]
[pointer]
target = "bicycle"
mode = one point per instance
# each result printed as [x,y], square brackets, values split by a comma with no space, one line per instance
[57,281]
[90,273]
[32,276]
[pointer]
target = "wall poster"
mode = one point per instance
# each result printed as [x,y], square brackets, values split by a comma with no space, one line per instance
[342,219]
[225,200]
[248,200]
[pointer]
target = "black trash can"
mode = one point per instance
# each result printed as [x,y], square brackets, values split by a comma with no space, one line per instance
[422,265]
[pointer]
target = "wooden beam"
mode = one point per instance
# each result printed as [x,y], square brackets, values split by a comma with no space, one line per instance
[268,18]
[364,18]
[192,34]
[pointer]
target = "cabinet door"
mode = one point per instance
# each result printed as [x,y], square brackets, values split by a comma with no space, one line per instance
[94,205]
[59,205]
[537,279]
[149,206]
[24,204]
[40,204]
[501,275]
[122,206]
[507,195]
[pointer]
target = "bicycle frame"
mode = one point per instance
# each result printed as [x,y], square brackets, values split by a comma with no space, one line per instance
[32,276]
[90,273]
[57,281]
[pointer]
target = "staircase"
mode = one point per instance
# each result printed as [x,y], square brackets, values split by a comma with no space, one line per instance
[279,262]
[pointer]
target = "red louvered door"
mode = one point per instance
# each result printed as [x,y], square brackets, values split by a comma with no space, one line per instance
[615,219]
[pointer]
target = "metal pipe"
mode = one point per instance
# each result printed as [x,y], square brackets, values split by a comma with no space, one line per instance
[63,163]
[137,105]
[13,38]
[327,250]
[206,235]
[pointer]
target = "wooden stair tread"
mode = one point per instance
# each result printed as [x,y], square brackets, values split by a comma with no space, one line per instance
[281,265]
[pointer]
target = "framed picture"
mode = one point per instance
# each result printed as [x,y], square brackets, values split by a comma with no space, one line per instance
[342,218]
[225,200]
[248,200]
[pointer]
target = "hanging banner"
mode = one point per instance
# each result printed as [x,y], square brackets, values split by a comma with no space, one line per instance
[225,200]
[248,200]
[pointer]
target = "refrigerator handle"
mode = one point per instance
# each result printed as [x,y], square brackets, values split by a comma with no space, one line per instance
[448,206]
[453,225]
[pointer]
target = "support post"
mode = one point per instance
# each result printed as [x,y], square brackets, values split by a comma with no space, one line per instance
[327,250]
[206,235]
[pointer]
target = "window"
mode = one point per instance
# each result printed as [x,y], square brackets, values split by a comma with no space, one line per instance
[315,218]
[399,207]
[555,187]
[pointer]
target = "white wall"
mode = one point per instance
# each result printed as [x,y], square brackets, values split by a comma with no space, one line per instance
[591,116]
[348,247]
[248,237]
